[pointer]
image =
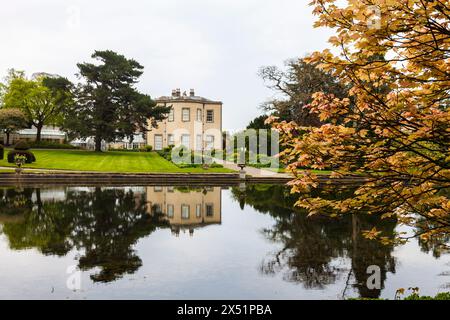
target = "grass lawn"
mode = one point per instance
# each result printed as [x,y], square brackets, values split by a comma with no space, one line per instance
[115,161]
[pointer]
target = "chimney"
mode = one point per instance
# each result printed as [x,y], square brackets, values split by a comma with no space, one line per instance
[178,92]
[174,93]
[192,93]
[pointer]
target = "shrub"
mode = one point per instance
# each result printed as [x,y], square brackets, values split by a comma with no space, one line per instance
[168,149]
[30,158]
[145,149]
[2,152]
[196,160]
[20,160]
[186,165]
[166,153]
[22,145]
[439,296]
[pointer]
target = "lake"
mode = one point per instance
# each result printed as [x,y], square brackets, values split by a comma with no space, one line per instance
[181,242]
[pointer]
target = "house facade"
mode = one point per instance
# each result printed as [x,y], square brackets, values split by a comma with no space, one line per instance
[194,122]
[137,143]
[186,209]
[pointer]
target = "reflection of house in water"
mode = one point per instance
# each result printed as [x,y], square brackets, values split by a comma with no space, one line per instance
[186,208]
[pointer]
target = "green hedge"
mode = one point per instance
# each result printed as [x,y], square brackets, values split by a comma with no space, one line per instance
[439,296]
[28,154]
[414,296]
[143,149]
[196,159]
[21,148]
[51,145]
[22,145]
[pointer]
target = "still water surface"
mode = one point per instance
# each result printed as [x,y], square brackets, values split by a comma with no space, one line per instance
[196,243]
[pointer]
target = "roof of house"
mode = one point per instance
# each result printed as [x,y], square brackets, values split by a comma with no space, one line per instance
[54,132]
[185,97]
[196,99]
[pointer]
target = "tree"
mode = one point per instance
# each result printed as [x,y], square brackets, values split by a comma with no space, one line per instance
[259,123]
[12,74]
[62,94]
[104,225]
[395,133]
[40,99]
[264,139]
[310,246]
[138,109]
[297,85]
[11,120]
[108,106]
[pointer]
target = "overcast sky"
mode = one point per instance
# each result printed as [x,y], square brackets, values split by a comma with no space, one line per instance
[214,46]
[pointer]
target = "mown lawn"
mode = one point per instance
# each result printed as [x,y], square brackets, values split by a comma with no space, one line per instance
[117,162]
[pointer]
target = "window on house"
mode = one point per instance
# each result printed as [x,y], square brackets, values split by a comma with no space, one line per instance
[158,142]
[185,211]
[199,115]
[209,115]
[171,116]
[209,210]
[198,142]
[185,140]
[170,189]
[209,142]
[158,189]
[186,114]
[198,211]
[170,211]
[157,208]
[170,140]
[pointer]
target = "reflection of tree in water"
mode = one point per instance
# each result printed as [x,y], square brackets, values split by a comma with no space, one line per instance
[438,241]
[437,244]
[306,255]
[42,227]
[104,224]
[15,201]
[365,252]
[312,247]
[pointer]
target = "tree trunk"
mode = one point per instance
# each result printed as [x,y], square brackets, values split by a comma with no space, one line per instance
[7,138]
[39,202]
[38,133]
[98,144]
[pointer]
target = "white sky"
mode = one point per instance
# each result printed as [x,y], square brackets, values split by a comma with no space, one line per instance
[214,46]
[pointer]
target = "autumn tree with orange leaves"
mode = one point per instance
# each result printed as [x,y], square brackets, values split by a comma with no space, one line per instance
[393,128]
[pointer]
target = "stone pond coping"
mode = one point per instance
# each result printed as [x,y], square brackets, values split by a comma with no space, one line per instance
[207,179]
